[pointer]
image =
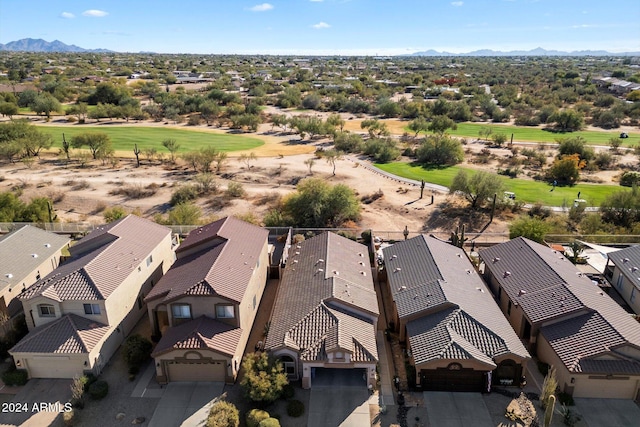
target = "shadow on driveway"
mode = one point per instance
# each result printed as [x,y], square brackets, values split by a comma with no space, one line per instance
[185,403]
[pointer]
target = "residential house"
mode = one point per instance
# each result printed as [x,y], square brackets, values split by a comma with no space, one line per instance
[565,319]
[81,312]
[204,307]
[623,271]
[26,255]
[456,334]
[323,322]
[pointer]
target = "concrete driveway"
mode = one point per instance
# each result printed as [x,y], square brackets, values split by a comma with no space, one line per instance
[446,409]
[345,406]
[185,403]
[608,412]
[52,394]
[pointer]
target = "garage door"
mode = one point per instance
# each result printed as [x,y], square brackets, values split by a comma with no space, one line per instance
[196,371]
[452,380]
[53,367]
[351,377]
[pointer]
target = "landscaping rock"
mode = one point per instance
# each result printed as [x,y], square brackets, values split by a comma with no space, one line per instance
[120,416]
[138,420]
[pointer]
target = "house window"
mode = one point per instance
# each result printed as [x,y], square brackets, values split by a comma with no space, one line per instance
[254,302]
[46,310]
[633,294]
[509,307]
[91,309]
[289,365]
[619,282]
[139,302]
[339,355]
[224,311]
[38,276]
[181,311]
[149,260]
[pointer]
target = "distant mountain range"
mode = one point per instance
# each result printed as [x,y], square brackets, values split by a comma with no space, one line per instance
[533,52]
[39,45]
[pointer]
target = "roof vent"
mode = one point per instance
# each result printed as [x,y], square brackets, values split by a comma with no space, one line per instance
[320,270]
[361,254]
[47,245]
[319,260]
[506,274]
[295,260]
[496,259]
[363,273]
[394,256]
[402,288]
[34,255]
[625,260]
[522,292]
[480,289]
[579,274]
[634,269]
[336,272]
[361,263]
[298,246]
[8,275]
[459,256]
[397,269]
[297,253]
[415,296]
[468,271]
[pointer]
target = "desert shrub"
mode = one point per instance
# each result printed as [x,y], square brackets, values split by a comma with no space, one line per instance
[264,377]
[255,416]
[629,178]
[114,213]
[539,211]
[183,194]
[90,379]
[69,417]
[78,185]
[235,189]
[98,389]
[269,422]
[565,399]
[366,236]
[369,198]
[295,408]
[136,191]
[223,414]
[136,350]
[77,390]
[15,377]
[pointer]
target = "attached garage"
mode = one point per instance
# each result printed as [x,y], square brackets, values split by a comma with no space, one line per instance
[351,377]
[443,379]
[196,370]
[53,367]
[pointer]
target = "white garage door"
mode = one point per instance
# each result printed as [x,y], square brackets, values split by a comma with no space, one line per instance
[197,371]
[53,367]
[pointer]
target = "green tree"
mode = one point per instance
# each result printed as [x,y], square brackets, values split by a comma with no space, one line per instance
[264,378]
[79,110]
[173,147]
[577,145]
[95,141]
[336,122]
[567,120]
[418,125]
[247,158]
[223,414]
[440,150]
[348,142]
[332,156]
[375,127]
[566,169]
[185,214]
[312,102]
[8,109]
[45,103]
[440,124]
[136,350]
[477,188]
[621,208]
[532,228]
[318,204]
[280,120]
[499,138]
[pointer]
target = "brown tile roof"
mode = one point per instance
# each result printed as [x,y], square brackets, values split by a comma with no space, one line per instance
[101,261]
[17,250]
[577,340]
[201,333]
[539,270]
[230,249]
[322,276]
[70,334]
[453,314]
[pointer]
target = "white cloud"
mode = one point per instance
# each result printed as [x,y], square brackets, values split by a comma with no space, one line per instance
[95,13]
[457,3]
[261,7]
[67,15]
[321,25]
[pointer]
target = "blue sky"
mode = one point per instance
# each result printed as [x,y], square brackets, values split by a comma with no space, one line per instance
[360,27]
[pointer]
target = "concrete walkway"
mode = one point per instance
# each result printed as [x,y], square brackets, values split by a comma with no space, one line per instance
[386,389]
[339,406]
[447,409]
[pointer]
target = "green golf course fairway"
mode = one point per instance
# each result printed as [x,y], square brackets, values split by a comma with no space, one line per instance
[525,190]
[529,134]
[124,138]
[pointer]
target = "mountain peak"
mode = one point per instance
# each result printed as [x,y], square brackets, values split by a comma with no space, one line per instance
[40,45]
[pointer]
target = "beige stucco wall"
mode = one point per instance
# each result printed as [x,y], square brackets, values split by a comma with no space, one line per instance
[307,381]
[161,368]
[626,289]
[49,264]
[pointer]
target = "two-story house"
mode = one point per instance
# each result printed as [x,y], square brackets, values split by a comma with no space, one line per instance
[623,270]
[204,307]
[565,319]
[81,312]
[26,255]
[455,332]
[323,323]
